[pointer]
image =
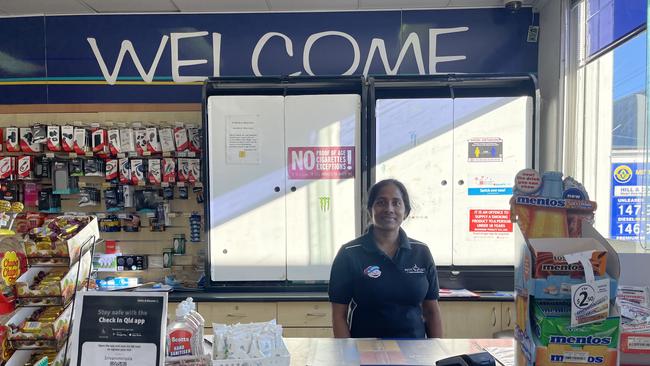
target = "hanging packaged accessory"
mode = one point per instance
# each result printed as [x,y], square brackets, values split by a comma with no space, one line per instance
[12,141]
[30,194]
[53,138]
[125,171]
[112,169]
[180,139]
[67,138]
[81,144]
[195,139]
[167,140]
[127,140]
[39,132]
[137,171]
[194,174]
[76,167]
[153,144]
[7,167]
[198,190]
[111,200]
[183,169]
[48,201]
[178,243]
[114,145]
[195,227]
[100,140]
[94,167]
[154,172]
[140,141]
[110,224]
[168,193]
[26,167]
[42,168]
[183,192]
[128,196]
[131,223]
[27,141]
[169,170]
[88,196]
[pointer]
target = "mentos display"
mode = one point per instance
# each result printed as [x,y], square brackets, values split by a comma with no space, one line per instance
[559,252]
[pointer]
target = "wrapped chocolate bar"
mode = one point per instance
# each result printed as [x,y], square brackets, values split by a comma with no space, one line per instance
[59,241]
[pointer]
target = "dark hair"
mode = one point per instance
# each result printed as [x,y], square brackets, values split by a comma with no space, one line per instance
[374,191]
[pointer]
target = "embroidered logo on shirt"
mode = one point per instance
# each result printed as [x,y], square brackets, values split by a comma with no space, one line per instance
[372,271]
[414,269]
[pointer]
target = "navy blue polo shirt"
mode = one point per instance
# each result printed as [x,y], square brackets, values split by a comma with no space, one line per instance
[385,294]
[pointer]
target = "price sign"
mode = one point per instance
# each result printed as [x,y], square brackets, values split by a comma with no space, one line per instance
[589,302]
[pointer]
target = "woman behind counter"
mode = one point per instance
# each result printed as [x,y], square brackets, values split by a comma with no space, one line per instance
[384,284]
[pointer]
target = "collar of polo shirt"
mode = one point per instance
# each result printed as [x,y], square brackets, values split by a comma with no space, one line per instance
[368,240]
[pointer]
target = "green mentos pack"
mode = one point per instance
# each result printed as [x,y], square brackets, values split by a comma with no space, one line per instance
[553,326]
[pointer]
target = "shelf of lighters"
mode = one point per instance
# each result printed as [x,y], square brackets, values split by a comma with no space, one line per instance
[34,339]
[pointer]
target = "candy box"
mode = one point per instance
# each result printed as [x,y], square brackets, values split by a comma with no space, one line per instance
[39,327]
[13,263]
[52,285]
[552,325]
[547,256]
[62,252]
[559,287]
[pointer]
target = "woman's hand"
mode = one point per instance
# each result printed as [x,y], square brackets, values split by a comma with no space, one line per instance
[432,319]
[340,320]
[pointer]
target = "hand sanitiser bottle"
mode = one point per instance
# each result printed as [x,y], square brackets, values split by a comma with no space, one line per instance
[182,335]
[199,320]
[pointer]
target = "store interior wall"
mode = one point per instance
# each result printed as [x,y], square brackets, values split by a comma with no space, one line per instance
[550,74]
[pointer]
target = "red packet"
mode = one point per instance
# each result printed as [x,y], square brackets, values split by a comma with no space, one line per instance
[169,170]
[12,141]
[67,138]
[125,171]
[154,171]
[112,169]
[180,139]
[25,167]
[53,138]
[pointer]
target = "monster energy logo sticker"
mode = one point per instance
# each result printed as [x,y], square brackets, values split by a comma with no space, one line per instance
[324,203]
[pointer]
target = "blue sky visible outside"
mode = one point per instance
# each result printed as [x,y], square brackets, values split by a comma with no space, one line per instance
[630,67]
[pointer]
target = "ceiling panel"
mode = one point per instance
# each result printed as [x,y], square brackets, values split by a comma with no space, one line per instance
[221,5]
[482,3]
[135,6]
[402,4]
[24,7]
[298,5]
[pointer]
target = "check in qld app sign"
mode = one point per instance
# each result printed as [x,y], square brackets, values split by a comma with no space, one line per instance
[629,216]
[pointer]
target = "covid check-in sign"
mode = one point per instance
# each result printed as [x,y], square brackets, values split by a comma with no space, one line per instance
[629,215]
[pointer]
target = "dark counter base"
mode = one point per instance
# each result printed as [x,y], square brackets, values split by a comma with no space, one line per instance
[200,296]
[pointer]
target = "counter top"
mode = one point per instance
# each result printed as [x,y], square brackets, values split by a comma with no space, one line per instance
[202,296]
[353,352]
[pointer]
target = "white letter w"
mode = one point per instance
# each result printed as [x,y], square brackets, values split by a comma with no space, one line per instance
[127,46]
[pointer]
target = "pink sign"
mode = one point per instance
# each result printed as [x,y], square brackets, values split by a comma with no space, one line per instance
[331,162]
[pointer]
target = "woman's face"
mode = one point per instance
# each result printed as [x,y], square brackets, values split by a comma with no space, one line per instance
[388,209]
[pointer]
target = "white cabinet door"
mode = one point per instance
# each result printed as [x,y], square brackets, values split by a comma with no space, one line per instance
[321,210]
[491,144]
[414,145]
[247,188]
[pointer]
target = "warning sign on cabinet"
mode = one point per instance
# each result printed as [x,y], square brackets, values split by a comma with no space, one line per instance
[332,162]
[485,149]
[490,221]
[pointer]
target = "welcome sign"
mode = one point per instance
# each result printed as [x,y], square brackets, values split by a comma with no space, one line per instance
[164,57]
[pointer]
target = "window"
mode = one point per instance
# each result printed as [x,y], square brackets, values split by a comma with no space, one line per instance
[607,117]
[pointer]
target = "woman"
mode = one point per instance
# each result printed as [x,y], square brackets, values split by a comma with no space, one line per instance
[384,284]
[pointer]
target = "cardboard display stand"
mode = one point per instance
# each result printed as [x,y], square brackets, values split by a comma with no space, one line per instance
[557,323]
